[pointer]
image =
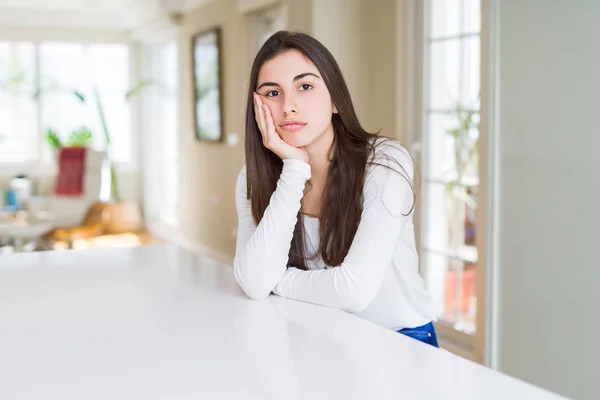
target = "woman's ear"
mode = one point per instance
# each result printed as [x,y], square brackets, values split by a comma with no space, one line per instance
[335,110]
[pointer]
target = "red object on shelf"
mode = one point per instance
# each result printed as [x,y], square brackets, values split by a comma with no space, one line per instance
[71,168]
[468,290]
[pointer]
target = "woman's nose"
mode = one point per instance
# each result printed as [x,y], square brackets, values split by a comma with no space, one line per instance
[289,106]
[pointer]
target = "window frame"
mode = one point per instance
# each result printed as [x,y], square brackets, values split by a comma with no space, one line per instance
[414,15]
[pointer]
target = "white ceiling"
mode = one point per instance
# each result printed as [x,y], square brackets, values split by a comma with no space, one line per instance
[68,5]
[99,14]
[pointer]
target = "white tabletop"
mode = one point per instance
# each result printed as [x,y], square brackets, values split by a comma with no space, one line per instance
[160,322]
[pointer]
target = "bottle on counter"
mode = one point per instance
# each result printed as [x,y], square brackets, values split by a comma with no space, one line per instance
[21,186]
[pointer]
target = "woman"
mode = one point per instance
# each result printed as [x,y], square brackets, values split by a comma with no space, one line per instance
[324,207]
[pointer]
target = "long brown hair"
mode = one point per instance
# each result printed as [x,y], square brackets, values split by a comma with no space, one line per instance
[352,150]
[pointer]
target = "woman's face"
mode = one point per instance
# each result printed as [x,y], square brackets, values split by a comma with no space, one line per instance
[291,85]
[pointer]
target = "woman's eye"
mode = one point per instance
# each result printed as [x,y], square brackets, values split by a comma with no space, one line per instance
[272,93]
[306,86]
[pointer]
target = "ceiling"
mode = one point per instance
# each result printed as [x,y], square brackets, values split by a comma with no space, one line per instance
[99,14]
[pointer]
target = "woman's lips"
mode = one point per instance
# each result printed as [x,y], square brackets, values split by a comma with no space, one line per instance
[292,125]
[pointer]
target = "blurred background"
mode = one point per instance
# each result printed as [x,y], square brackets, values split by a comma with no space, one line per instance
[121,124]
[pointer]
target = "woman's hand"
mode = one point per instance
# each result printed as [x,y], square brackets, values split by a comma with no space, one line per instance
[271,138]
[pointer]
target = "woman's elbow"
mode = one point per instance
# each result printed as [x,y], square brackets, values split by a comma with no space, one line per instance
[359,302]
[256,293]
[252,288]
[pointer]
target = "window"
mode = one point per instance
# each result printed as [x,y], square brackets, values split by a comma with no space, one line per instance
[161,141]
[450,159]
[38,82]
[170,74]
[18,111]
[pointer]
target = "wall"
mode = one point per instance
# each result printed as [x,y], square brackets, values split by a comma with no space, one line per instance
[208,171]
[549,270]
[343,36]
[362,38]
[384,64]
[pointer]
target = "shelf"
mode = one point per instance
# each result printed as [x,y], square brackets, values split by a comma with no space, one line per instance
[464,253]
[464,181]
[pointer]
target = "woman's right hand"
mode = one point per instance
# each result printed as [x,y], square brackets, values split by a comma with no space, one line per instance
[271,139]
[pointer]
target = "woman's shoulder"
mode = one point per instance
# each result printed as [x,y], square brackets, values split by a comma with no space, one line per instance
[240,183]
[390,153]
[242,173]
[389,176]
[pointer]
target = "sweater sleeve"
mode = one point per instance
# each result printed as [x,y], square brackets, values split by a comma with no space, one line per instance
[261,254]
[352,286]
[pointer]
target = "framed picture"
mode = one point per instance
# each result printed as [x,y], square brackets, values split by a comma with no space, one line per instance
[208,98]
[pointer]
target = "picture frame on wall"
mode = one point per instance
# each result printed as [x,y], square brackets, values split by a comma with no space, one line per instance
[207,76]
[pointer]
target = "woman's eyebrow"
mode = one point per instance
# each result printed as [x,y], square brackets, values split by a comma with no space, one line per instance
[298,77]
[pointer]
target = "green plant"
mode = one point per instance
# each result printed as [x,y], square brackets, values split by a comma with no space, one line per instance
[466,144]
[80,137]
[466,138]
[461,199]
[17,82]
[53,139]
[16,79]
[140,86]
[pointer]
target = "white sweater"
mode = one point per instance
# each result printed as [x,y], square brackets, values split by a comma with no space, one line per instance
[379,278]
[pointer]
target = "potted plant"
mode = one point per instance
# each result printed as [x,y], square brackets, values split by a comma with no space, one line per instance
[463,186]
[81,137]
[462,208]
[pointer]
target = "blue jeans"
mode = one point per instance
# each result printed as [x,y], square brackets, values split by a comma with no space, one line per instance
[425,334]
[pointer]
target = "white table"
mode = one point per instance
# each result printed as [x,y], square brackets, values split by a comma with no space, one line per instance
[160,322]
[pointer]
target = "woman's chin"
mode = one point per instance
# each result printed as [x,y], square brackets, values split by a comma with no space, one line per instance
[296,139]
